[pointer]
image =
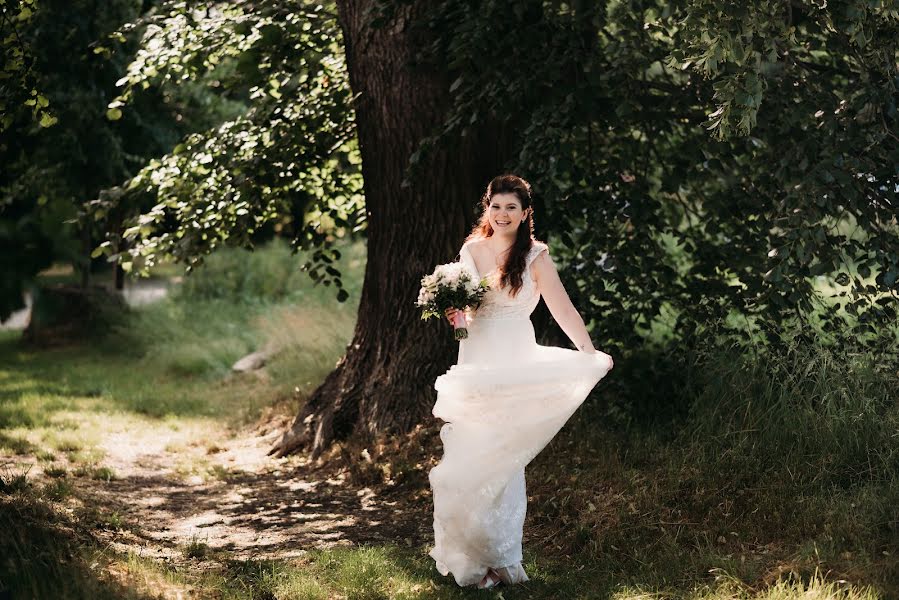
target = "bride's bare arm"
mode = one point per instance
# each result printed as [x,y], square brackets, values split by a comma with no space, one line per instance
[563,311]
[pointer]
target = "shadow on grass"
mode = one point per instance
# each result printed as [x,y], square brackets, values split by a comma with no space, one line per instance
[46,556]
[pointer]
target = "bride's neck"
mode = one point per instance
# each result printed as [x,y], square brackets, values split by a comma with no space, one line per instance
[498,242]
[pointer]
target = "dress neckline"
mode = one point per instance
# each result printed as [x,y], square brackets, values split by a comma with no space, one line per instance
[488,274]
[491,272]
[535,245]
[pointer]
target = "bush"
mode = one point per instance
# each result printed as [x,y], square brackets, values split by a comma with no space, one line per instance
[66,314]
[270,273]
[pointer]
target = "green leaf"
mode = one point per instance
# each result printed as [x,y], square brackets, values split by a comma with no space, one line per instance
[48,120]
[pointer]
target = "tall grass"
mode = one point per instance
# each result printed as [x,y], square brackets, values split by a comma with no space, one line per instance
[762,466]
[51,553]
[270,274]
[828,417]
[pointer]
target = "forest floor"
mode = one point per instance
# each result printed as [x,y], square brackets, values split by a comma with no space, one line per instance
[135,466]
[185,506]
[151,506]
[228,496]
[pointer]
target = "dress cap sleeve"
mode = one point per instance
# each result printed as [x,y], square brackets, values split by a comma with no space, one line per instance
[536,249]
[466,258]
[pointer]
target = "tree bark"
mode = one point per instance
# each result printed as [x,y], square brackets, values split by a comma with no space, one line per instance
[384,382]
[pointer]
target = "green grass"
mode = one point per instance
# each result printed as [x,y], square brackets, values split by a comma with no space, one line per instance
[780,466]
[51,553]
[196,549]
[389,572]
[173,358]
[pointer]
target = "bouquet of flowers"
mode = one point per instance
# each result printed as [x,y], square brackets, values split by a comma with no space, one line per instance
[451,285]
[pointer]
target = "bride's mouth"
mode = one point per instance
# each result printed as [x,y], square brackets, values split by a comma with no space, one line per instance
[503,223]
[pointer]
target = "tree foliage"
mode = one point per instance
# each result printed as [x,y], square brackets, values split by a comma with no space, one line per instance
[699,162]
[49,171]
[19,91]
[290,163]
[696,162]
[49,174]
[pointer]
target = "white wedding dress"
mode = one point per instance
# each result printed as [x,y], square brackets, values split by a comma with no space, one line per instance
[503,402]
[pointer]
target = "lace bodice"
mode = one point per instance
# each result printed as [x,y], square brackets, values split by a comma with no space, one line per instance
[498,303]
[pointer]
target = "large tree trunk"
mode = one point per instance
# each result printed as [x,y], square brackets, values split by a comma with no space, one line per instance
[384,383]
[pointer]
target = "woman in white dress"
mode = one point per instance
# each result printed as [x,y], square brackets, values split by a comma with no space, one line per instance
[506,396]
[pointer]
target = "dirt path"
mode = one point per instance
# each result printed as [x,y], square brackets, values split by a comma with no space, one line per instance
[185,482]
[246,504]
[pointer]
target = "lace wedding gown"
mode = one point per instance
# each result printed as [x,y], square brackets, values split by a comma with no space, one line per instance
[503,402]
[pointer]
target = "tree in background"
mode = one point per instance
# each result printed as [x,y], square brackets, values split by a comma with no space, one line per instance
[294,159]
[704,169]
[19,93]
[21,104]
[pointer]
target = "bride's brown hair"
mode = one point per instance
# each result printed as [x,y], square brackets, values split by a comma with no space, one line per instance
[513,268]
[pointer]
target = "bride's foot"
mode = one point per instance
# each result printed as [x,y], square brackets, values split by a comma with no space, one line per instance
[511,574]
[489,580]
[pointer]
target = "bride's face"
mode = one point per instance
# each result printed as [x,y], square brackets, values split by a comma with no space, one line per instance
[505,213]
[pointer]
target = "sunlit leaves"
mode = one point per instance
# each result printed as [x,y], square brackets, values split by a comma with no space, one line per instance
[290,164]
[17,81]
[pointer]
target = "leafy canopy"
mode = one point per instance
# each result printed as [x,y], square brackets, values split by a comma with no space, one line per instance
[698,164]
[290,162]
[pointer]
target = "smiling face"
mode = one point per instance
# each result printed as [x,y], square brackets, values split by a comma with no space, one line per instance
[505,213]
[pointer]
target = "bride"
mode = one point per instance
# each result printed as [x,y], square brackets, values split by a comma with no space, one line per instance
[506,396]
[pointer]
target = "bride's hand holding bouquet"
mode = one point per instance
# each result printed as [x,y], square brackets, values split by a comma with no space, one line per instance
[447,291]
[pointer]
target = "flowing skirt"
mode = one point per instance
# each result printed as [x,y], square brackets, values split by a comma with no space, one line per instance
[503,402]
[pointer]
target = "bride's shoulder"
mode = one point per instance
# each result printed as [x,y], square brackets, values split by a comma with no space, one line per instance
[537,247]
[473,243]
[537,266]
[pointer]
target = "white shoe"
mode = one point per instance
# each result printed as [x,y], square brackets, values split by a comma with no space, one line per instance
[489,580]
[511,574]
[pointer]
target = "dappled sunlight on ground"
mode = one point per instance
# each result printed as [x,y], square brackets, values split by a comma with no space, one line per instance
[177,488]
